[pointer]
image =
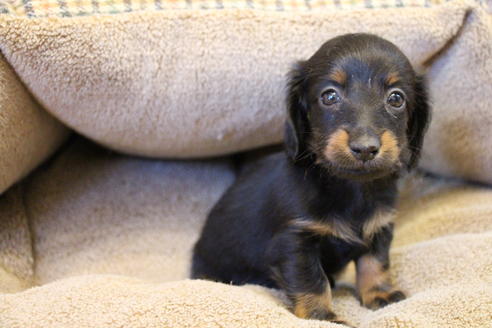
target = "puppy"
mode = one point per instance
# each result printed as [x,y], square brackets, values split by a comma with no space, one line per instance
[356,117]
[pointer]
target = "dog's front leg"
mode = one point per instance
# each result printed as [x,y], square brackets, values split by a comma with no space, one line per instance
[295,266]
[373,278]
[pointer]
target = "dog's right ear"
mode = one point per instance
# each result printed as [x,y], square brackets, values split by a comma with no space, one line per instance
[296,125]
[419,121]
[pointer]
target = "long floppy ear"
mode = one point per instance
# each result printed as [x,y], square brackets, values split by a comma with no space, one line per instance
[296,125]
[418,122]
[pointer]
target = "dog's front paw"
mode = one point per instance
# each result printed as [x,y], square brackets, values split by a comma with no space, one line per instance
[317,313]
[377,297]
[320,314]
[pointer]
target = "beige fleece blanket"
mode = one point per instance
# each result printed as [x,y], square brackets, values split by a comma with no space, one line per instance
[166,78]
[105,239]
[111,240]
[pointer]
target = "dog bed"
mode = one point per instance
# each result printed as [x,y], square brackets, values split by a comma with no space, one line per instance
[111,237]
[94,238]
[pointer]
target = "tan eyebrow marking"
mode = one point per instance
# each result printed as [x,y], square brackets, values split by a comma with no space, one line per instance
[339,76]
[392,78]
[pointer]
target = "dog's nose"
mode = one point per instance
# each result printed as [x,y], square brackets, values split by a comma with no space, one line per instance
[365,148]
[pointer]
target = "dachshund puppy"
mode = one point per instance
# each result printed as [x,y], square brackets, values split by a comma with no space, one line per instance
[357,114]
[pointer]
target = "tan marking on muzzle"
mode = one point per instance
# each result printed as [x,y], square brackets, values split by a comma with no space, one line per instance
[389,145]
[338,142]
[339,76]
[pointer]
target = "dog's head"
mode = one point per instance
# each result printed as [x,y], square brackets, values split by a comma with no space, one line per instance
[357,108]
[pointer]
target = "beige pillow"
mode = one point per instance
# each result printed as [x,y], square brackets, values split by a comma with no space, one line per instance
[27,133]
[459,141]
[188,82]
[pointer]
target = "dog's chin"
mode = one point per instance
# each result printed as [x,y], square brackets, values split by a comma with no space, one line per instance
[362,173]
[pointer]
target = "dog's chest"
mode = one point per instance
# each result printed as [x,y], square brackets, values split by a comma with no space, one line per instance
[351,212]
[348,239]
[335,254]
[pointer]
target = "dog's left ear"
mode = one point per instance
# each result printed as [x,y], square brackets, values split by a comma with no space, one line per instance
[418,121]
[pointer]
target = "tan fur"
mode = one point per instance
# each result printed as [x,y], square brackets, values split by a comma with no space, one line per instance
[378,221]
[389,145]
[339,76]
[335,229]
[337,143]
[392,78]
[343,231]
[371,274]
[305,304]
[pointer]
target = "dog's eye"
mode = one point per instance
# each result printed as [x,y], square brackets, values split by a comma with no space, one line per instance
[396,99]
[330,97]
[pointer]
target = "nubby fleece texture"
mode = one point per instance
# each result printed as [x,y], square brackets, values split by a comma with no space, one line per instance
[191,83]
[98,239]
[112,238]
[28,135]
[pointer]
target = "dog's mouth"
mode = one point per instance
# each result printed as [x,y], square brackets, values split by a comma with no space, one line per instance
[361,172]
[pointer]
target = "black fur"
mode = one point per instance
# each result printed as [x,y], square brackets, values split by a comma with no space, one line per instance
[248,237]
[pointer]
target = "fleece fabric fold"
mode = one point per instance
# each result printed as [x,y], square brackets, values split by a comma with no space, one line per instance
[113,236]
[189,83]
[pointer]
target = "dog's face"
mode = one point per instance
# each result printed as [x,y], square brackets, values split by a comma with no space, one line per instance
[357,108]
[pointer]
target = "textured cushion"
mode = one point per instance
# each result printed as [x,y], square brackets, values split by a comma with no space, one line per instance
[27,133]
[113,235]
[460,136]
[120,215]
[16,256]
[168,82]
[73,8]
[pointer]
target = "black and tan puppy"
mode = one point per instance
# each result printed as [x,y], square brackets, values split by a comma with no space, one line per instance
[357,113]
